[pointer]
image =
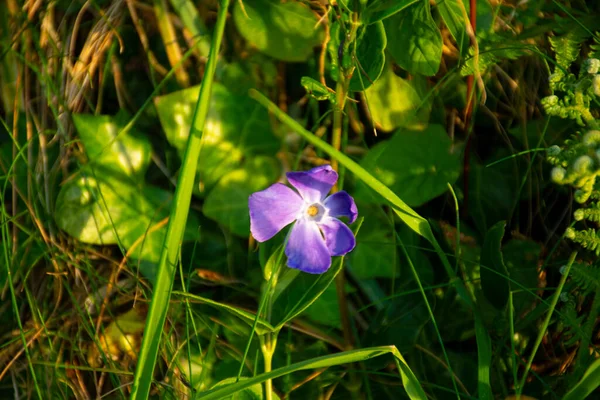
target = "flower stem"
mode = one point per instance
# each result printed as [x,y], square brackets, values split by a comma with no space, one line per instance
[267,345]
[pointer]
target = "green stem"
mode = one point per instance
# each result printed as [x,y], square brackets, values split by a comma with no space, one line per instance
[157,314]
[540,336]
[268,344]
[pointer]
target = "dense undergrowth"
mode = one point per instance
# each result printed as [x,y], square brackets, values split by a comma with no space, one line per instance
[466,132]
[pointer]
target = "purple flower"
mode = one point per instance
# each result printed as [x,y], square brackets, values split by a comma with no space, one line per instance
[318,234]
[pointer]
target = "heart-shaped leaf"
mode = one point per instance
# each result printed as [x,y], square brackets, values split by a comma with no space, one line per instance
[287,31]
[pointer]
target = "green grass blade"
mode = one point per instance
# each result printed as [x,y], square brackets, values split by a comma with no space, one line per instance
[181,204]
[411,383]
[414,221]
[587,384]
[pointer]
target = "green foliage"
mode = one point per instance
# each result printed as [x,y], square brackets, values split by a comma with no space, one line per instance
[227,203]
[395,102]
[416,164]
[367,55]
[493,49]
[415,42]
[287,31]
[493,282]
[227,138]
[566,47]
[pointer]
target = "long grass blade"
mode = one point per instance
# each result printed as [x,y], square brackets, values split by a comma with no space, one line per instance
[411,383]
[181,203]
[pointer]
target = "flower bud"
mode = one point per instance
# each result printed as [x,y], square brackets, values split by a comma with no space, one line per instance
[558,174]
[578,215]
[553,150]
[591,138]
[570,233]
[583,164]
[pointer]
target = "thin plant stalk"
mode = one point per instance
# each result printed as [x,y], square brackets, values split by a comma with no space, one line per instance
[542,332]
[181,203]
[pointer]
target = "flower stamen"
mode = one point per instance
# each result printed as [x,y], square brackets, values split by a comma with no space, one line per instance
[312,211]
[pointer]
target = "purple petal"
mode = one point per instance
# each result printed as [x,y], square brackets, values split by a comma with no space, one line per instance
[272,209]
[341,204]
[339,238]
[314,184]
[306,249]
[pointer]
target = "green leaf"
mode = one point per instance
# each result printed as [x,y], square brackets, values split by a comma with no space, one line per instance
[416,164]
[494,278]
[262,326]
[128,154]
[287,31]
[398,103]
[375,253]
[492,50]
[409,380]
[227,203]
[235,128]
[378,10]
[587,384]
[105,209]
[370,54]
[566,47]
[455,18]
[414,40]
[254,392]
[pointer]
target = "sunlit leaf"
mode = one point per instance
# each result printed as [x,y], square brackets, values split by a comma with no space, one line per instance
[398,103]
[370,55]
[415,164]
[287,31]
[235,128]
[227,203]
[129,153]
[414,40]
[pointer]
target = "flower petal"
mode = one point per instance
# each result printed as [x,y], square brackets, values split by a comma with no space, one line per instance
[272,209]
[314,184]
[306,249]
[338,237]
[341,204]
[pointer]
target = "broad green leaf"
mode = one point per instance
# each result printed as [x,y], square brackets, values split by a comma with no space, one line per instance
[378,10]
[414,40]
[492,191]
[296,292]
[235,128]
[325,309]
[287,31]
[227,203]
[110,210]
[127,154]
[375,253]
[370,54]
[411,383]
[400,322]
[455,17]
[494,278]
[521,259]
[415,164]
[587,384]
[398,103]
[248,317]
[101,211]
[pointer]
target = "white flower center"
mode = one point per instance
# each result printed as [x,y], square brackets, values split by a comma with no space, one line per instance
[314,212]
